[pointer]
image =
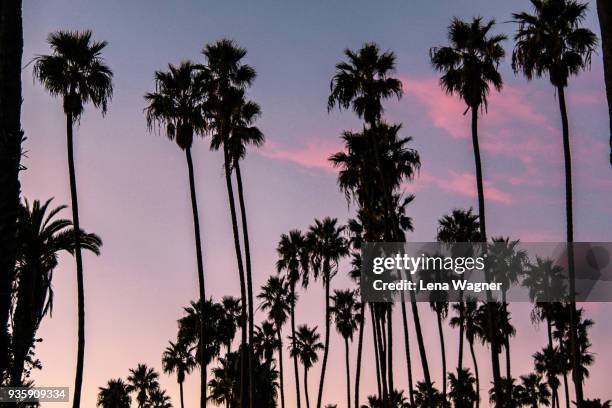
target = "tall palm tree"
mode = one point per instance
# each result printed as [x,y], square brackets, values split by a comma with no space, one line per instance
[462,392]
[265,342]
[346,311]
[293,261]
[532,392]
[176,104]
[159,399]
[227,79]
[552,42]
[143,380]
[306,346]
[76,72]
[327,246]
[230,321]
[189,330]
[116,394]
[275,299]
[221,385]
[11,136]
[41,237]
[549,363]
[470,67]
[177,358]
[604,11]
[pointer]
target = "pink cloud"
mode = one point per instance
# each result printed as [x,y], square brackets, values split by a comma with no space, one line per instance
[313,153]
[463,184]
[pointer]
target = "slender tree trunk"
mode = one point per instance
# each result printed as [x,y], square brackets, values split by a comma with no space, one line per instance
[376,356]
[249,278]
[78,381]
[23,325]
[295,357]
[507,347]
[11,50]
[359,354]
[421,344]
[475,363]
[483,237]
[461,331]
[407,350]
[280,362]
[382,356]
[390,347]
[181,394]
[348,373]
[200,263]
[604,11]
[576,371]
[306,387]
[244,345]
[443,352]
[327,278]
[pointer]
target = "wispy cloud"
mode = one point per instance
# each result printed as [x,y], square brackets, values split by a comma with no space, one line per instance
[312,153]
[464,184]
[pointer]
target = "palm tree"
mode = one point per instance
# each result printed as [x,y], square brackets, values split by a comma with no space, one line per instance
[77,73]
[177,358]
[549,363]
[11,136]
[597,403]
[227,77]
[189,330]
[306,345]
[346,311]
[462,391]
[509,393]
[230,321]
[275,299]
[223,381]
[116,394]
[159,399]
[265,342]
[532,392]
[604,11]
[327,246]
[176,105]
[293,261]
[41,237]
[459,226]
[552,42]
[143,380]
[470,66]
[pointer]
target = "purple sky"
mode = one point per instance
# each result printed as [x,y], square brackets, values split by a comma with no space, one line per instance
[133,185]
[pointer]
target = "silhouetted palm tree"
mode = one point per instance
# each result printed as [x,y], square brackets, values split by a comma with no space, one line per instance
[77,73]
[327,246]
[143,380]
[597,403]
[159,399]
[222,383]
[346,314]
[462,391]
[549,363]
[306,345]
[275,299]
[177,358]
[265,342]
[41,237]
[470,66]
[230,321]
[227,78]
[509,394]
[116,394]
[293,261]
[532,392]
[189,330]
[604,11]
[552,42]
[176,105]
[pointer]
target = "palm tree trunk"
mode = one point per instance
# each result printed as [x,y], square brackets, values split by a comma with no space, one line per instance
[181,394]
[348,373]
[390,347]
[280,361]
[11,51]
[306,387]
[576,372]
[376,356]
[78,381]
[383,360]
[295,357]
[359,354]
[201,290]
[23,326]
[243,295]
[566,389]
[421,344]
[249,278]
[407,350]
[461,331]
[443,352]
[604,11]
[483,237]
[327,322]
[475,363]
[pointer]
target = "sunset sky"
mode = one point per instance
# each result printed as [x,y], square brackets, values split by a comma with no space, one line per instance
[133,188]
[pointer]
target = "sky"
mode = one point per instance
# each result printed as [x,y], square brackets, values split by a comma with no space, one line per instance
[133,188]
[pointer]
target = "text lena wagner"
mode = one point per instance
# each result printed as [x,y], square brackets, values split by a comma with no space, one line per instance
[464,285]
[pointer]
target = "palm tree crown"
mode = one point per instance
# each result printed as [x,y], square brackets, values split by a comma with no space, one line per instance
[116,394]
[306,345]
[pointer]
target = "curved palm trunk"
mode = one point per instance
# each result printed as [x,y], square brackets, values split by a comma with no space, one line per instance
[483,237]
[11,50]
[380,337]
[604,11]
[390,347]
[181,394]
[359,354]
[306,387]
[327,321]
[295,357]
[249,279]
[407,350]
[243,295]
[576,372]
[78,380]
[475,363]
[461,331]
[280,361]
[376,356]
[201,290]
[348,373]
[421,344]
[443,351]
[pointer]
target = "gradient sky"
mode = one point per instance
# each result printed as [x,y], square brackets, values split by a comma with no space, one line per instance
[133,185]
